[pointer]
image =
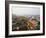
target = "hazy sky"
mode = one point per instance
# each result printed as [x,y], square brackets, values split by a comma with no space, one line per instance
[20,11]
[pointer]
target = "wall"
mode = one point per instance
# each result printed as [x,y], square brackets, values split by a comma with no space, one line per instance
[2,19]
